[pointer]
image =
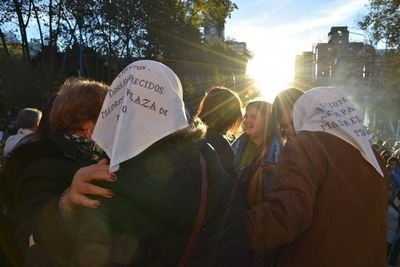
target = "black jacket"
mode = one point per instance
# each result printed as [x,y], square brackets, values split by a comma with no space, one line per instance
[223,149]
[15,163]
[46,171]
[151,216]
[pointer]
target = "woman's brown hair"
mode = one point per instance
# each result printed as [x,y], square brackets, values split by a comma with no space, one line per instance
[221,110]
[284,101]
[77,101]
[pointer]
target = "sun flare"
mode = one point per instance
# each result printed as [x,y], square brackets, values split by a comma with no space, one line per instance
[272,72]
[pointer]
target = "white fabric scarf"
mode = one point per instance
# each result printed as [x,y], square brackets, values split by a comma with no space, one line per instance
[144,105]
[326,109]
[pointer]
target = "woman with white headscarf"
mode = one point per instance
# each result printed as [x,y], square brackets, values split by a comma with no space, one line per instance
[327,200]
[166,199]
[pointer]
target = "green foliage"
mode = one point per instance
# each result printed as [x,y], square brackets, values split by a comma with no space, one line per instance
[115,33]
[14,50]
[383,23]
[383,20]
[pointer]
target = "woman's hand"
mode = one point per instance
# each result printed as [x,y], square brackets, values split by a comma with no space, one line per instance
[81,186]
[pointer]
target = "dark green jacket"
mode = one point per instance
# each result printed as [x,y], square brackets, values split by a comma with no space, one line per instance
[46,168]
[151,216]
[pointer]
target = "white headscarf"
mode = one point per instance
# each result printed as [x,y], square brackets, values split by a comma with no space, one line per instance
[326,109]
[144,105]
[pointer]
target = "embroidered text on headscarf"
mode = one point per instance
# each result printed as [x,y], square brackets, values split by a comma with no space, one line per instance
[327,109]
[144,104]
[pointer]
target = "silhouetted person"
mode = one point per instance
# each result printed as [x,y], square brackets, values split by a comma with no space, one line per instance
[221,110]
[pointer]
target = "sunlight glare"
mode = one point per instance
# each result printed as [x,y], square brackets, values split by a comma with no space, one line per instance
[272,70]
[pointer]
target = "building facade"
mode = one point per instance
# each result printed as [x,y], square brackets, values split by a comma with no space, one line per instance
[365,73]
[337,62]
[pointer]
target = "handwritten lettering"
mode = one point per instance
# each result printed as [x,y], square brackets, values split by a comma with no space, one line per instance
[329,125]
[334,104]
[153,106]
[346,111]
[130,67]
[350,121]
[330,113]
[145,102]
[149,85]
[339,113]
[163,111]
[125,83]
[122,84]
[113,106]
[140,82]
[360,132]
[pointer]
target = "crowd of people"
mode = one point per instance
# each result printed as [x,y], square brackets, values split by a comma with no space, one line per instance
[389,151]
[123,175]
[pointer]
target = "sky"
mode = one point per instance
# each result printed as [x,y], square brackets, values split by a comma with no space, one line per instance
[276,31]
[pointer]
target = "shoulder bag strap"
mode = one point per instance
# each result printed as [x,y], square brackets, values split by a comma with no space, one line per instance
[187,252]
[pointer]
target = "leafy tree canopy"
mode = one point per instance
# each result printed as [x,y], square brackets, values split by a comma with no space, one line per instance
[111,34]
[383,21]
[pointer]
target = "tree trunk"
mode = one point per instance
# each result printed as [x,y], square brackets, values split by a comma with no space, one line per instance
[3,40]
[42,56]
[22,28]
[38,24]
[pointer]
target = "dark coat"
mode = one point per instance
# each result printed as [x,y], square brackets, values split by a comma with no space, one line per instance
[223,149]
[15,162]
[46,172]
[151,216]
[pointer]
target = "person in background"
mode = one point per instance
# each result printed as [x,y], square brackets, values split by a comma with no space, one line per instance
[327,201]
[47,169]
[282,115]
[396,150]
[393,218]
[19,157]
[256,151]
[385,155]
[393,168]
[44,126]
[221,110]
[28,120]
[173,203]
